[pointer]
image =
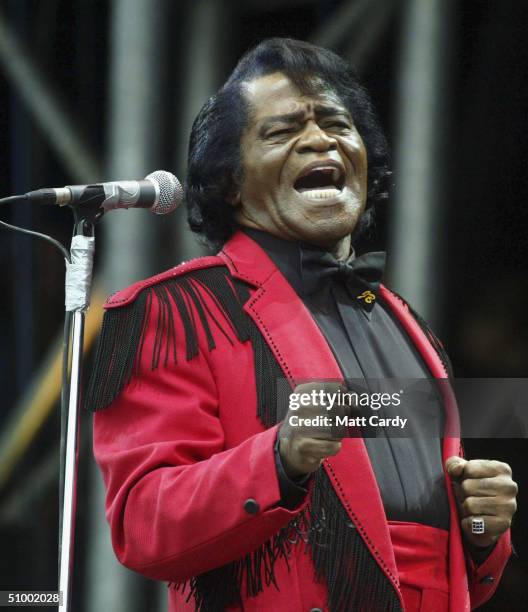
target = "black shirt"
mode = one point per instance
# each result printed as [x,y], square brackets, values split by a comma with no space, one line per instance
[373,345]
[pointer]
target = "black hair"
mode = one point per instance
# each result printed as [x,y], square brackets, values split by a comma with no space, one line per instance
[214,162]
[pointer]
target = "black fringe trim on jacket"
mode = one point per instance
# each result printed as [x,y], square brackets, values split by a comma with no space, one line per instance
[354,580]
[121,341]
[213,591]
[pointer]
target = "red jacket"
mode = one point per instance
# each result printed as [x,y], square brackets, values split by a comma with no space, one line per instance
[182,450]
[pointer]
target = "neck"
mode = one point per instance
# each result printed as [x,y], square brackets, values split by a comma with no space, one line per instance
[340,249]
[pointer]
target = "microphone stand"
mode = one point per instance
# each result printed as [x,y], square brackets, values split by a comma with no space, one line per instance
[77,297]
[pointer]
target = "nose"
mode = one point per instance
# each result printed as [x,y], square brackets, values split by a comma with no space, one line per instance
[314,138]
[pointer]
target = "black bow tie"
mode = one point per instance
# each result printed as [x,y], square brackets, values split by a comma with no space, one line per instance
[361,275]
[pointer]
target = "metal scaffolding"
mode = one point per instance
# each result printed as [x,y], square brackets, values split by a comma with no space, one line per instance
[416,235]
[43,104]
[130,238]
[355,30]
[203,56]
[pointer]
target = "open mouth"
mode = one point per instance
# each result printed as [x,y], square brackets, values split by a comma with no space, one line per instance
[321,182]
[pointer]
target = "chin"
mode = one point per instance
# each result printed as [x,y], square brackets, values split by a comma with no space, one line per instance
[326,235]
[336,226]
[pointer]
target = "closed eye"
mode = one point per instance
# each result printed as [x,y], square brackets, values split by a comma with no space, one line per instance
[338,124]
[281,131]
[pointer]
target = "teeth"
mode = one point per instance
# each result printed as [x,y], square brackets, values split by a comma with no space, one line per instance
[320,194]
[335,174]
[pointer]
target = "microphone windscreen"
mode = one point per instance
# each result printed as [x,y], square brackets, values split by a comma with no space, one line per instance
[170,191]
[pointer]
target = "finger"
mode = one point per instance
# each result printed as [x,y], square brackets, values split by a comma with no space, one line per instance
[495,506]
[493,525]
[476,487]
[312,462]
[317,386]
[327,437]
[488,487]
[322,453]
[317,448]
[455,466]
[314,431]
[485,468]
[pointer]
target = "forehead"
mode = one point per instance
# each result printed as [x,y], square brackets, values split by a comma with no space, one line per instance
[275,94]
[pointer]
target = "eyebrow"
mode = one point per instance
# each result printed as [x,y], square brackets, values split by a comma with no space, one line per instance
[295,117]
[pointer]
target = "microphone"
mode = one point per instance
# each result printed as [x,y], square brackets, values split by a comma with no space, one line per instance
[160,192]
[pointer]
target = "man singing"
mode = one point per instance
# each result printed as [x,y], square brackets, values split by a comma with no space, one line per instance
[209,487]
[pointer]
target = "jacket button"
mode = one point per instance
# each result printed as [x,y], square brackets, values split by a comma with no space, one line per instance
[316,610]
[487,580]
[251,506]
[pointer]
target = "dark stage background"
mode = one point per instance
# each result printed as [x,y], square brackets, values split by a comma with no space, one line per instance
[101,89]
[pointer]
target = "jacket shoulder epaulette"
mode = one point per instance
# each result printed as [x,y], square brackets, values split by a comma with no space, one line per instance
[128,295]
[200,294]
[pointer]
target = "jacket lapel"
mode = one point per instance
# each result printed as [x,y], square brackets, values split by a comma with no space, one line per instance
[458,583]
[304,355]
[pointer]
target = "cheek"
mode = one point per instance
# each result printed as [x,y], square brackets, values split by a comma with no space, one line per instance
[265,174]
[252,181]
[357,155]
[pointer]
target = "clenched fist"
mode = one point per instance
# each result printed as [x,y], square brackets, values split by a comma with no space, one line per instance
[302,449]
[484,490]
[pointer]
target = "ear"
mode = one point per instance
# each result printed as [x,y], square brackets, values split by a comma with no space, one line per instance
[233,197]
[234,190]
